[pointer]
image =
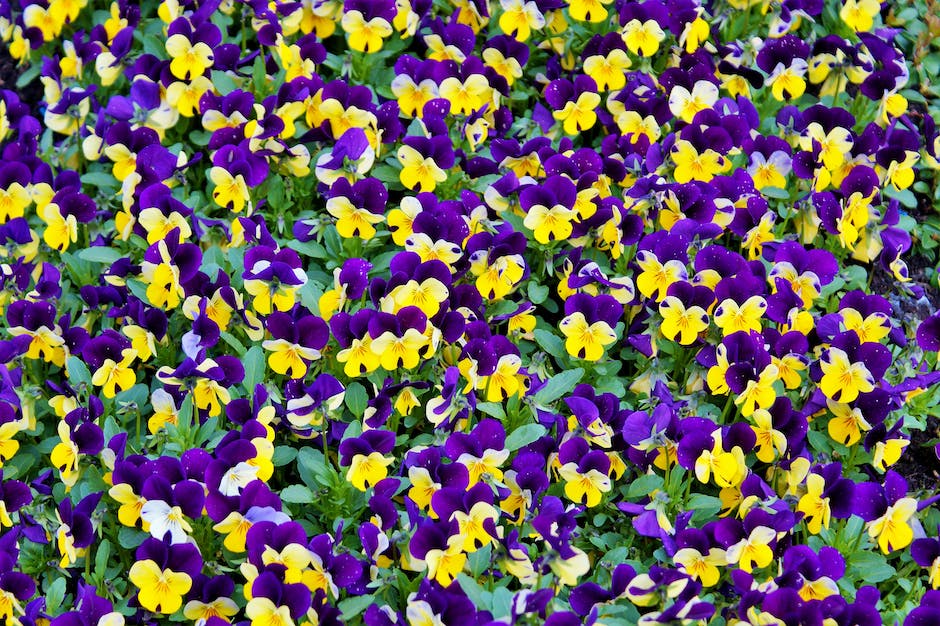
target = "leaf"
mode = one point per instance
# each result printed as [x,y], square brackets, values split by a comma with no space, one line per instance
[55,593]
[524,435]
[254,367]
[357,399]
[100,254]
[351,607]
[549,342]
[283,455]
[871,567]
[704,506]
[223,82]
[130,538]
[537,293]
[100,179]
[313,468]
[558,385]
[644,485]
[77,371]
[102,553]
[297,494]
[493,409]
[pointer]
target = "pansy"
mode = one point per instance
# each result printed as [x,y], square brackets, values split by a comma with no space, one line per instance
[520,17]
[574,103]
[367,24]
[589,325]
[425,161]
[887,511]
[366,458]
[191,47]
[358,207]
[273,278]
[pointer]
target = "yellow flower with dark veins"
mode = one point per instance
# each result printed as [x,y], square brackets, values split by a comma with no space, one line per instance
[732,317]
[230,191]
[111,376]
[160,591]
[814,506]
[189,60]
[859,15]
[366,470]
[579,115]
[642,38]
[365,36]
[418,170]
[587,489]
[549,224]
[61,230]
[687,323]
[842,380]
[519,18]
[588,10]
[703,567]
[892,529]
[586,341]
[352,221]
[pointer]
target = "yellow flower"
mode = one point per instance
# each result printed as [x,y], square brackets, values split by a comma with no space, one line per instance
[549,224]
[289,357]
[394,352]
[160,591]
[587,489]
[519,18]
[859,15]
[843,381]
[703,567]
[352,221]
[230,191]
[579,115]
[685,104]
[692,165]
[770,442]
[656,277]
[687,323]
[471,525]
[847,423]
[753,550]
[814,506]
[892,529]
[365,36]
[366,470]
[588,10]
[586,341]
[758,394]
[60,230]
[189,60]
[111,375]
[418,170]
[467,96]
[444,565]
[731,317]
[642,38]
[263,612]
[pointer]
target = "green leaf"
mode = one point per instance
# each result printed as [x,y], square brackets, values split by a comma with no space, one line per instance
[870,567]
[357,399]
[130,538]
[99,254]
[283,455]
[223,82]
[645,485]
[100,179]
[558,385]
[493,409]
[297,494]
[549,342]
[77,371]
[704,506]
[537,293]
[102,553]
[313,467]
[254,367]
[351,607]
[55,593]
[524,435]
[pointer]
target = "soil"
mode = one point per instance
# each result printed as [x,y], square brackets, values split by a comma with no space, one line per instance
[31,93]
[919,464]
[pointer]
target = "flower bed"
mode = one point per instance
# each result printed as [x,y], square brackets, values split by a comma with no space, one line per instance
[464,312]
